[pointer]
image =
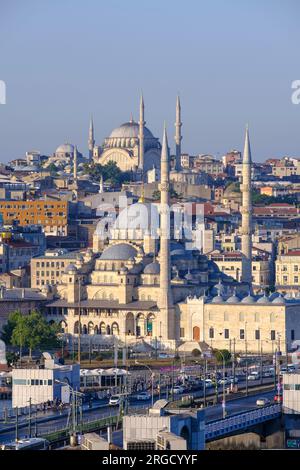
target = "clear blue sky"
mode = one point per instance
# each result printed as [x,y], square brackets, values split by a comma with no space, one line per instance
[232,61]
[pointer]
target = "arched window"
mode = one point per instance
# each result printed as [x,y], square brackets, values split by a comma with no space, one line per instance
[102,328]
[115,329]
[90,328]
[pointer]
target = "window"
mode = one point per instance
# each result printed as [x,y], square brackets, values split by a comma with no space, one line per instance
[181,332]
[49,381]
[257,334]
[19,382]
[242,334]
[226,333]
[273,335]
[297,387]
[288,387]
[296,279]
[296,268]
[242,316]
[292,335]
[211,333]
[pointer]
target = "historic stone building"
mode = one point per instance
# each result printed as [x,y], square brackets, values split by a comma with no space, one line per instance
[144,288]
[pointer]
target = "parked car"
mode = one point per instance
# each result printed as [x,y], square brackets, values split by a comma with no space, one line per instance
[143,396]
[208,383]
[177,389]
[262,402]
[225,381]
[115,400]
[253,377]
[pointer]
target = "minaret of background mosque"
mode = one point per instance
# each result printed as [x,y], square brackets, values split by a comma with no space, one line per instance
[178,136]
[141,135]
[91,141]
[246,211]
[75,164]
[165,298]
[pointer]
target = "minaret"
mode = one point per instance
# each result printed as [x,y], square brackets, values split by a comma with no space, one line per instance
[75,185]
[246,211]
[178,136]
[75,165]
[165,298]
[141,135]
[91,141]
[101,188]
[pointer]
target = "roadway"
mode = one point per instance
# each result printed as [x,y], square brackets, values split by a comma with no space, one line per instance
[58,420]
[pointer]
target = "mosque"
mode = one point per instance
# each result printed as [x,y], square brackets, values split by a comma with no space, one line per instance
[156,291]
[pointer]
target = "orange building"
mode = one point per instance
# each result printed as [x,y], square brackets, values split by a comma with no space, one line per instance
[52,215]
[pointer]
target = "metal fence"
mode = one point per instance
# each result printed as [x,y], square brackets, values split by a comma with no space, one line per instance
[241,421]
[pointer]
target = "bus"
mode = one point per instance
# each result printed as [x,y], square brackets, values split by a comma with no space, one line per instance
[33,443]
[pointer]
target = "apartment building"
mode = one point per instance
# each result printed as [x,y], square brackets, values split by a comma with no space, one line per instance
[52,215]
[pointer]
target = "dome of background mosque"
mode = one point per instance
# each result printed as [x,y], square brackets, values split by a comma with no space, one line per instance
[130,130]
[65,148]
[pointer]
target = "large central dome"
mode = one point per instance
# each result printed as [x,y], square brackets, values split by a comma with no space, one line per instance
[130,130]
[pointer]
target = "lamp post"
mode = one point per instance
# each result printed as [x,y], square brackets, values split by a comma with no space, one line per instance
[224,394]
[246,352]
[152,379]
[74,403]
[79,323]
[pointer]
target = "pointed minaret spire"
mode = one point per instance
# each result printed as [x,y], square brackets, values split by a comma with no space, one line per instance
[246,211]
[178,136]
[75,164]
[165,299]
[141,134]
[91,140]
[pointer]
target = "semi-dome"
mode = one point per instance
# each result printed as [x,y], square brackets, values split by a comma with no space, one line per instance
[130,130]
[120,251]
[152,268]
[65,148]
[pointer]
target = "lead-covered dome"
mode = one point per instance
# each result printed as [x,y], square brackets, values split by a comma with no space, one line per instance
[130,130]
[152,268]
[65,148]
[120,251]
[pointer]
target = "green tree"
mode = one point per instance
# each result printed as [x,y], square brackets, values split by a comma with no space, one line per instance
[8,328]
[34,332]
[220,353]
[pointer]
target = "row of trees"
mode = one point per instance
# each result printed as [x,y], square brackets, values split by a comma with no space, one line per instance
[110,171]
[30,331]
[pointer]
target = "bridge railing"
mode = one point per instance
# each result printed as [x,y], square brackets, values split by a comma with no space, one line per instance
[241,420]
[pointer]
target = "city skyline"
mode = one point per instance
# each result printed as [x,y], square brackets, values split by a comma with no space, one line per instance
[87,65]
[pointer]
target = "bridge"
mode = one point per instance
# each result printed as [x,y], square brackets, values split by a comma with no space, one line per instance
[220,428]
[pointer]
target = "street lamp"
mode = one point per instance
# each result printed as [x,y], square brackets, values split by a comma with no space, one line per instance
[152,379]
[74,395]
[224,395]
